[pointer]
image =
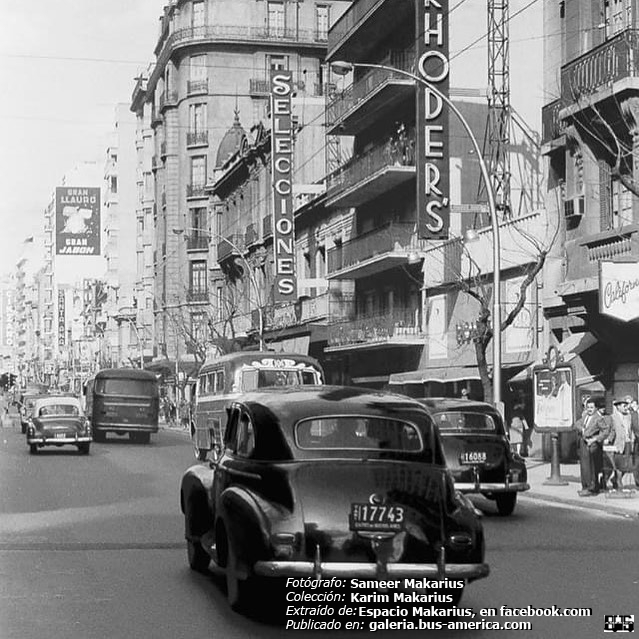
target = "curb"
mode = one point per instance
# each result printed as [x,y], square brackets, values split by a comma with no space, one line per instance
[621,512]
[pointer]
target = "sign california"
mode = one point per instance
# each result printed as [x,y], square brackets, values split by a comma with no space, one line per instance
[619,289]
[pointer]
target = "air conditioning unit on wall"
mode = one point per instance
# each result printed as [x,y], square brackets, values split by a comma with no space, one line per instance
[575,207]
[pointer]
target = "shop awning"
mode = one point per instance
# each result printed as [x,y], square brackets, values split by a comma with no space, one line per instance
[570,348]
[442,374]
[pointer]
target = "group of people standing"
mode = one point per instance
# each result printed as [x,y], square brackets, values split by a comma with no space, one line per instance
[618,433]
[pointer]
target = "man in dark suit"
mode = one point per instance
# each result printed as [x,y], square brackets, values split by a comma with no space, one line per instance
[634,434]
[592,431]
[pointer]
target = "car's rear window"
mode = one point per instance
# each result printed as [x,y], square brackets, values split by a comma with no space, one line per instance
[252,379]
[357,433]
[464,421]
[126,387]
[57,410]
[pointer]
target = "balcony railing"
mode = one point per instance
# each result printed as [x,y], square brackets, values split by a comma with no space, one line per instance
[370,82]
[383,240]
[197,87]
[197,138]
[163,150]
[197,296]
[197,242]
[262,86]
[251,236]
[195,190]
[551,126]
[168,99]
[395,326]
[398,151]
[232,245]
[600,67]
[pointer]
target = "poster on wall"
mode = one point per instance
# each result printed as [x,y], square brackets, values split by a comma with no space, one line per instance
[437,328]
[619,289]
[77,219]
[553,399]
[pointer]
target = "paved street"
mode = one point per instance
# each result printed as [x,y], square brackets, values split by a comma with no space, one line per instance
[91,547]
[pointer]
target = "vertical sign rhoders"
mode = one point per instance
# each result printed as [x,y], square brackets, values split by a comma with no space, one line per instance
[62,320]
[432,153]
[285,284]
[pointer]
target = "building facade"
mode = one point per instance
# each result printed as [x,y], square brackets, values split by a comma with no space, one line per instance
[213,58]
[591,140]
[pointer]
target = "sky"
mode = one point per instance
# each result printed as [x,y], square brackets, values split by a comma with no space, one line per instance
[65,64]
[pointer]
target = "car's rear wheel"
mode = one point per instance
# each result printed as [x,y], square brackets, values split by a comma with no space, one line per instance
[506,503]
[199,559]
[33,449]
[84,449]
[237,589]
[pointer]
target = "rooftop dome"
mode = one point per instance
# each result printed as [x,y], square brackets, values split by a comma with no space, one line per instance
[231,142]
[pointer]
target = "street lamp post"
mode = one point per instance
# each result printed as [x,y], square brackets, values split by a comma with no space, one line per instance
[342,68]
[249,273]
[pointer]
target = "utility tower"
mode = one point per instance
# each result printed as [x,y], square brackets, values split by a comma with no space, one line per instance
[497,137]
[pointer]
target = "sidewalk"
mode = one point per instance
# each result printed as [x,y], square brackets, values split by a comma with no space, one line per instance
[625,504]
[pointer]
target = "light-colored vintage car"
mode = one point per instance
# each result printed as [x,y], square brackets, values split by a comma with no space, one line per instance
[58,421]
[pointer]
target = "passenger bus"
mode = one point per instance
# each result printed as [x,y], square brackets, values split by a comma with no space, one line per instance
[225,378]
[123,400]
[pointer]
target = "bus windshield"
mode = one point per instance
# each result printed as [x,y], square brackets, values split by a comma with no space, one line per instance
[127,387]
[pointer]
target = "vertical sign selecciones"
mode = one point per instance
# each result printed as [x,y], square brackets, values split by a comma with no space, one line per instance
[62,320]
[285,285]
[433,182]
[77,220]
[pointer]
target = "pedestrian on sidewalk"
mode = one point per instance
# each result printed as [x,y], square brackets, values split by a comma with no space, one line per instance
[623,436]
[592,431]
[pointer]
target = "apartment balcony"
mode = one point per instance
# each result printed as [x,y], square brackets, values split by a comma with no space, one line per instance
[399,327]
[369,175]
[372,97]
[584,254]
[168,99]
[197,242]
[552,127]
[163,150]
[364,24]
[231,246]
[197,138]
[197,87]
[197,296]
[235,34]
[373,252]
[261,86]
[156,163]
[195,191]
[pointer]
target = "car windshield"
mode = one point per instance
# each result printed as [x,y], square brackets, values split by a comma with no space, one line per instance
[464,421]
[252,379]
[357,433]
[51,410]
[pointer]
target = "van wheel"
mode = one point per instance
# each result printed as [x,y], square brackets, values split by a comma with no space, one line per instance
[99,436]
[33,449]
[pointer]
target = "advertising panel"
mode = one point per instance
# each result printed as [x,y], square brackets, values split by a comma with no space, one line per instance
[77,219]
[619,289]
[432,152]
[285,284]
[62,319]
[553,399]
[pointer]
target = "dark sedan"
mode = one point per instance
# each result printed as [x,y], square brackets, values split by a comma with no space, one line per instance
[477,450]
[58,421]
[329,481]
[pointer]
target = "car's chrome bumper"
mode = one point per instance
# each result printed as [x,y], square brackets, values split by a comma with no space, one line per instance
[58,440]
[344,569]
[491,487]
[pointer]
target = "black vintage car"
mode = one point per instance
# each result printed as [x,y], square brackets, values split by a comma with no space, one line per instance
[477,450]
[330,481]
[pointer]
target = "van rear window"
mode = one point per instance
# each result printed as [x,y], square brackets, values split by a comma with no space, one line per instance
[127,387]
[253,379]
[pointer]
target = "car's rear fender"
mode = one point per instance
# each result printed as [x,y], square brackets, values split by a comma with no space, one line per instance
[250,521]
[194,500]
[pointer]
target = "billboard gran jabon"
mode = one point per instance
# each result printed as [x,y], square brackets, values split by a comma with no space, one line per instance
[77,219]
